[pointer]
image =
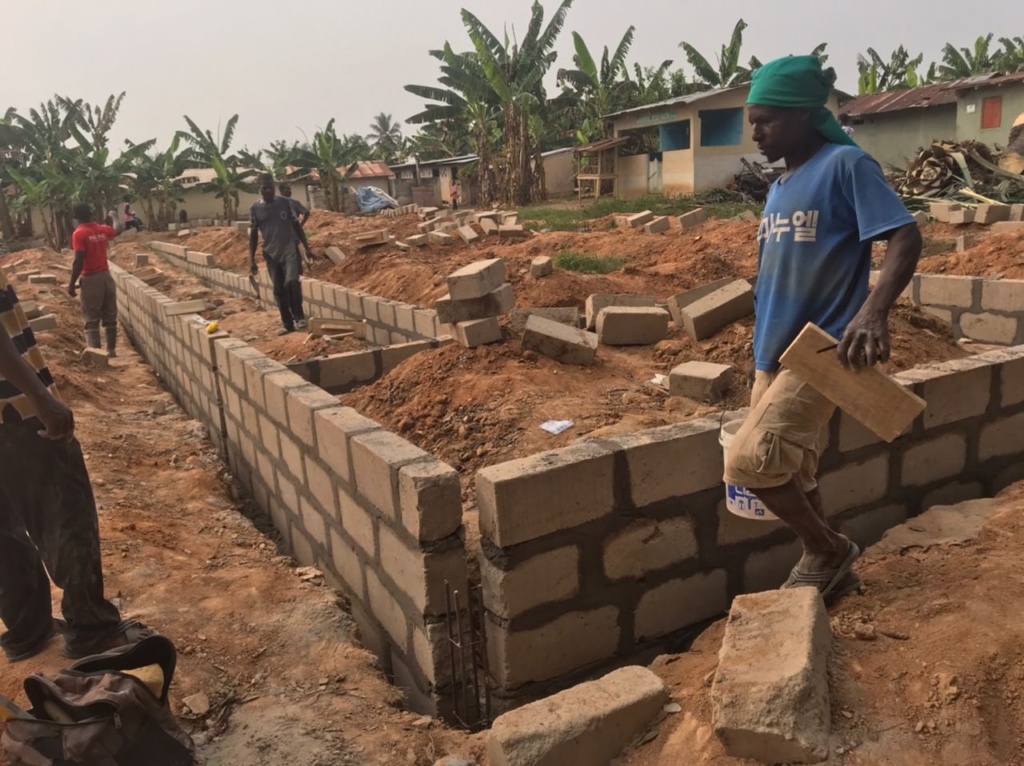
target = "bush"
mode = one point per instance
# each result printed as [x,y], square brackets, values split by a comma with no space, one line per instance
[584,263]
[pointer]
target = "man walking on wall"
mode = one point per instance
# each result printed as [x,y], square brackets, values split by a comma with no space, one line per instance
[99,293]
[48,518]
[274,218]
[820,221]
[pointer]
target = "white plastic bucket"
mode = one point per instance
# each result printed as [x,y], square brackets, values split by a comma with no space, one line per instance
[739,500]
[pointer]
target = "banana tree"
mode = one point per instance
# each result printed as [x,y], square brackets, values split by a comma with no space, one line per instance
[729,72]
[1011,58]
[967,62]
[332,160]
[155,182]
[228,184]
[600,90]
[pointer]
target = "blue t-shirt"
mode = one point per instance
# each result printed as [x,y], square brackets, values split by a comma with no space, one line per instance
[815,247]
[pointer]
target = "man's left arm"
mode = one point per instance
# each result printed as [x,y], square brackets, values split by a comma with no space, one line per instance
[881,214]
[301,234]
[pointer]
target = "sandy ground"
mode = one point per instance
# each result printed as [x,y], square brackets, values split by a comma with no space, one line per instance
[997,255]
[927,667]
[277,656]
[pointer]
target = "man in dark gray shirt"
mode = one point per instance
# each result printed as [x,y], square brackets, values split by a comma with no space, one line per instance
[301,211]
[274,218]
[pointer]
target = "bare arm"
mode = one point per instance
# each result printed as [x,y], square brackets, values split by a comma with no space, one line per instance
[866,340]
[305,217]
[301,234]
[76,272]
[254,240]
[57,419]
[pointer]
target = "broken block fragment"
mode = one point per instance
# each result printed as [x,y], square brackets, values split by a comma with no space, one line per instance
[703,381]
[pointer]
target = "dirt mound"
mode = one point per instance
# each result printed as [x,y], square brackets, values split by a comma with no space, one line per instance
[478,407]
[996,255]
[927,667]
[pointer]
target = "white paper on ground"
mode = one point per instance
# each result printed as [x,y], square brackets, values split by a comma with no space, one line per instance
[556,427]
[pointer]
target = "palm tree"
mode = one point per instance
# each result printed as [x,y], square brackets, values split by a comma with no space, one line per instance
[386,138]
[965,62]
[331,159]
[729,72]
[599,89]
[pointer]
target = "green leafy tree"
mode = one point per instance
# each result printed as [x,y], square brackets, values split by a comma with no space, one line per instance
[1011,58]
[156,182]
[899,72]
[598,89]
[958,63]
[331,159]
[232,176]
[729,71]
[386,139]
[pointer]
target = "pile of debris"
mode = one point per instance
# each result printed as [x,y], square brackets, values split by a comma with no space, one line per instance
[947,168]
[755,180]
[441,225]
[477,295]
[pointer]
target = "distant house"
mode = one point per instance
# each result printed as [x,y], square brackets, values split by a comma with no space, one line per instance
[893,126]
[683,145]
[202,203]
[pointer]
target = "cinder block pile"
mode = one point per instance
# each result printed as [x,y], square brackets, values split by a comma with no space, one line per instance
[477,296]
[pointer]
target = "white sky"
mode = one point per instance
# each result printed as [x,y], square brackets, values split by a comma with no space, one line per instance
[290,66]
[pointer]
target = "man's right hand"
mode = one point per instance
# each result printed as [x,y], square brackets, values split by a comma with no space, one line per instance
[72,291]
[253,268]
[57,419]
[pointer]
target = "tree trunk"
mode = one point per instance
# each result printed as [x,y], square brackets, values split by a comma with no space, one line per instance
[6,222]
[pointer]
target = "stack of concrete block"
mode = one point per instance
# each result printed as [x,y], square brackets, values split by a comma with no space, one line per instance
[961,216]
[477,296]
[632,325]
[598,301]
[706,316]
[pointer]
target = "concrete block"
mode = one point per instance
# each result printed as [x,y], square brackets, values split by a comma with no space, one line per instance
[1002,295]
[563,344]
[186,307]
[476,280]
[489,226]
[672,461]
[96,358]
[429,499]
[935,459]
[567,316]
[302,404]
[921,218]
[335,428]
[867,529]
[43,323]
[335,255]
[946,291]
[989,328]
[1017,213]
[568,642]
[597,302]
[768,569]
[961,217]
[546,578]
[419,574]
[420,240]
[647,546]
[953,493]
[988,214]
[386,608]
[955,391]
[940,210]
[23,276]
[736,529]
[476,332]
[377,458]
[542,266]
[1007,227]
[703,381]
[142,259]
[31,309]
[693,218]
[588,724]
[358,523]
[536,496]
[639,220]
[495,303]
[706,316]
[852,435]
[439,238]
[777,711]
[182,233]
[468,234]
[855,484]
[1002,438]
[678,604]
[631,326]
[677,303]
[512,231]
[43,279]
[658,226]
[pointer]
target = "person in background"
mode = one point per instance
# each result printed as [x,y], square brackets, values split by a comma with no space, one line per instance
[48,520]
[131,221]
[183,217]
[815,242]
[275,219]
[99,293]
[455,196]
[844,122]
[300,210]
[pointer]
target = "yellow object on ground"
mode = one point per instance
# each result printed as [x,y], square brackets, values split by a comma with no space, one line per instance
[212,328]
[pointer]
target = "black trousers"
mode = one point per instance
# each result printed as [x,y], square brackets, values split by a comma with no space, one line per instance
[48,524]
[284,274]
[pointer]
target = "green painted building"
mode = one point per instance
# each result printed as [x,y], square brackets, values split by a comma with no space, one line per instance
[893,126]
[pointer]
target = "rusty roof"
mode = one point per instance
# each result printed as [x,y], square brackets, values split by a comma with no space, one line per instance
[373,169]
[936,94]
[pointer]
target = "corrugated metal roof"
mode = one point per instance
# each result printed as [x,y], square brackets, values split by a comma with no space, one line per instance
[465,159]
[600,146]
[687,99]
[373,169]
[937,94]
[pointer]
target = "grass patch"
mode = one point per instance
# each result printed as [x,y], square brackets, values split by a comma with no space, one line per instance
[584,263]
[576,217]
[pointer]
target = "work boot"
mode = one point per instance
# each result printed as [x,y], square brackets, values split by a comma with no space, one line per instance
[111,341]
[92,338]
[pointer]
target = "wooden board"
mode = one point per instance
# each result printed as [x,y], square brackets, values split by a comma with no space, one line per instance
[319,326]
[870,396]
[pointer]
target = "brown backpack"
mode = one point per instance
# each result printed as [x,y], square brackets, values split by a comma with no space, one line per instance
[95,714]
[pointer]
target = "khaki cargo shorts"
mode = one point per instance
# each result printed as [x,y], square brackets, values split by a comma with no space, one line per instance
[783,437]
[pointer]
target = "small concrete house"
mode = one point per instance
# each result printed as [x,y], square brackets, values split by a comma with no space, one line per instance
[893,126]
[685,144]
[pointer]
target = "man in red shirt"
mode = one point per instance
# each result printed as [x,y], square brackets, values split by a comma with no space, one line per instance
[99,296]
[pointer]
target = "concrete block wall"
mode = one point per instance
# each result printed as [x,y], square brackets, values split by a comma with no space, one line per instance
[980,309]
[390,322]
[341,373]
[380,517]
[609,550]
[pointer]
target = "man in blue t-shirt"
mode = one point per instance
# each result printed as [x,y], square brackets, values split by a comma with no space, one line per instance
[815,241]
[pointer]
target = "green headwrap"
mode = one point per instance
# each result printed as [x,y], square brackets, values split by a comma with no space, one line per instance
[799,82]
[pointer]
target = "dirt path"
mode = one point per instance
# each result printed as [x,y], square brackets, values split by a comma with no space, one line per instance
[277,656]
[927,668]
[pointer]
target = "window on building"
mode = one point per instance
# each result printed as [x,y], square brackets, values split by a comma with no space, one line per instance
[675,136]
[992,113]
[721,127]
